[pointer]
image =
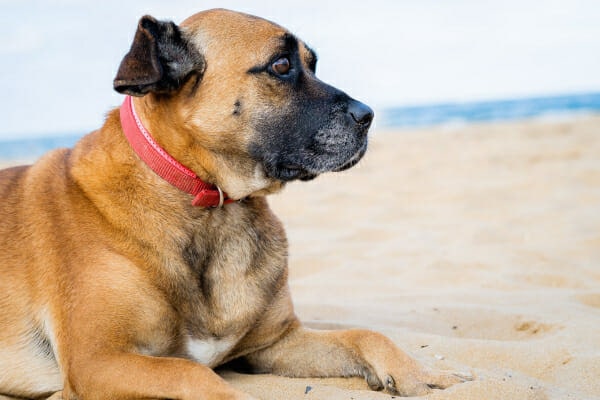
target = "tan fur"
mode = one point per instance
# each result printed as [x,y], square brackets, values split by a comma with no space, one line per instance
[97,296]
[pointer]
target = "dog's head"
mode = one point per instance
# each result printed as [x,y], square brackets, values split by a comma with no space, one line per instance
[235,98]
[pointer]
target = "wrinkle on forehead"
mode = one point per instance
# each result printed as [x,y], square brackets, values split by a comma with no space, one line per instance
[224,33]
[232,26]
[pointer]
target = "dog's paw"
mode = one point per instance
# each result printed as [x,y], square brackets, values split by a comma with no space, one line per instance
[414,382]
[389,368]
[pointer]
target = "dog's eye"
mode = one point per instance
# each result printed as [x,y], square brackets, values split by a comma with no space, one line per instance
[281,66]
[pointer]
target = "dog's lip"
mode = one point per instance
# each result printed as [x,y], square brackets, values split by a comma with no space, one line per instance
[288,172]
[353,160]
[298,172]
[293,167]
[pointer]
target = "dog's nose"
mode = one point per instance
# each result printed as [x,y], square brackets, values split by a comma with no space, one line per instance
[361,113]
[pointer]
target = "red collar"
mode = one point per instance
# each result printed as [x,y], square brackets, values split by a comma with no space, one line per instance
[161,162]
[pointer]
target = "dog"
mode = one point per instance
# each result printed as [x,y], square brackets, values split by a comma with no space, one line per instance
[147,255]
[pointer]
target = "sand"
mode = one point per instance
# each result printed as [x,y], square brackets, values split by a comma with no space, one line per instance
[475,248]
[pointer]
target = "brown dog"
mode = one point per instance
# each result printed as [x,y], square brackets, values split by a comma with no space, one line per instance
[114,286]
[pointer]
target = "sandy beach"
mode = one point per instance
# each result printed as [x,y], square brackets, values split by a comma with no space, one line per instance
[475,248]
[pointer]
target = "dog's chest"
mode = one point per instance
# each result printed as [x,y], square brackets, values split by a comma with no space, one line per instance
[231,276]
[228,285]
[209,351]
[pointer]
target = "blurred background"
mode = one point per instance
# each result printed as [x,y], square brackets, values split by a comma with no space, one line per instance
[416,62]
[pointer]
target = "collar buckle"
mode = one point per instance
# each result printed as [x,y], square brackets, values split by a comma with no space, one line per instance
[214,198]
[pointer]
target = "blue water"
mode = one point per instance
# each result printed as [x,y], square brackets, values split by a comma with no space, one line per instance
[490,111]
[30,149]
[400,117]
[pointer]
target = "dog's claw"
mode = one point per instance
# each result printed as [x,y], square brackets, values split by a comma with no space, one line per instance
[445,380]
[418,384]
[374,382]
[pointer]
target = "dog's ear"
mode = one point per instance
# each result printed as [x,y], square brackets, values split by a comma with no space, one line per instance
[160,60]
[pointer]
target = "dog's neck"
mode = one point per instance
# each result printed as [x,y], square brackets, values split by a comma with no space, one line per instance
[163,164]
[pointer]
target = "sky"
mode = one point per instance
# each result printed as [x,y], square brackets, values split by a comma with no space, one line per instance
[59,57]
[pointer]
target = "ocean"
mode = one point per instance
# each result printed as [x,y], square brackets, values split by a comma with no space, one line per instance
[491,111]
[405,117]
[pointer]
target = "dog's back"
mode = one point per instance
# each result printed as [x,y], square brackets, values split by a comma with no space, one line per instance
[27,363]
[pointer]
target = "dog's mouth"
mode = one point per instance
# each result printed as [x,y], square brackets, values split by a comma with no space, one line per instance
[354,159]
[290,172]
[310,167]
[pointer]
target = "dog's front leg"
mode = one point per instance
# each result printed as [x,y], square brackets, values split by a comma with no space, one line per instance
[134,376]
[310,353]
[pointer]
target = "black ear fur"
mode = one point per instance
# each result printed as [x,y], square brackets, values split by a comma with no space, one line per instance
[160,60]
